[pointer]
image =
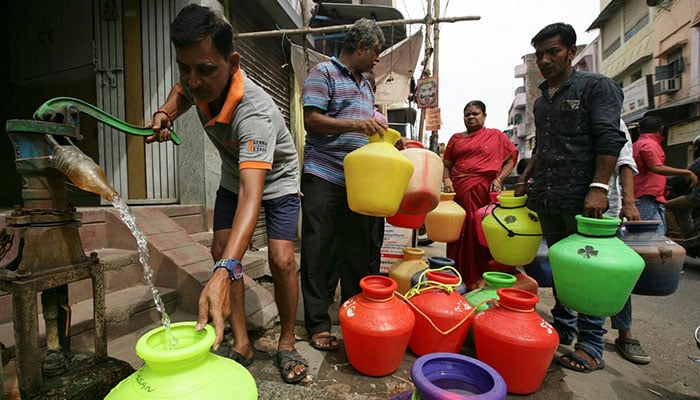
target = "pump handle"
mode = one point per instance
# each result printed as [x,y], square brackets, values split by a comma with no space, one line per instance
[53,105]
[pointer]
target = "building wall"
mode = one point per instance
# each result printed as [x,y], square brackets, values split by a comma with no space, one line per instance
[673,31]
[633,58]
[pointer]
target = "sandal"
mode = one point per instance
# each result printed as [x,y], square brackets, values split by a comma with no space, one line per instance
[287,360]
[583,364]
[225,350]
[632,351]
[324,341]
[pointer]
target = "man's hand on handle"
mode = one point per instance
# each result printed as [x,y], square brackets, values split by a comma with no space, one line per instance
[595,203]
[160,124]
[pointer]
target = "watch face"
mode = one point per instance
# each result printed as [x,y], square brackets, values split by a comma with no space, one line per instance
[238,271]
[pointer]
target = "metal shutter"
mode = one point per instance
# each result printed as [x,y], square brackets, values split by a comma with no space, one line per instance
[265,62]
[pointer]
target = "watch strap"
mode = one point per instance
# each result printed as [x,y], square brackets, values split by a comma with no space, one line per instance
[232,265]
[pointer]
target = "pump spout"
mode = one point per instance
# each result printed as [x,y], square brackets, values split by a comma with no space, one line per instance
[82,170]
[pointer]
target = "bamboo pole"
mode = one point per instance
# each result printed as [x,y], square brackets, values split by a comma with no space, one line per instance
[428,51]
[339,28]
[436,42]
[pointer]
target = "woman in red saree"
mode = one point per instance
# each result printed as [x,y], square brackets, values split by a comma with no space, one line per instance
[476,161]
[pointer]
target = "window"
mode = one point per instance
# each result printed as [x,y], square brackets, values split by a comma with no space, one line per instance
[673,68]
[675,60]
[610,33]
[517,119]
[636,16]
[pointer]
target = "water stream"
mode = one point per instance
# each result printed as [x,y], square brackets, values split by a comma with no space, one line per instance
[128,218]
[89,176]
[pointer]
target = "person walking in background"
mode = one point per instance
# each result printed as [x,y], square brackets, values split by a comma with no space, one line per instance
[622,205]
[650,183]
[682,207]
[476,161]
[259,166]
[339,115]
[578,139]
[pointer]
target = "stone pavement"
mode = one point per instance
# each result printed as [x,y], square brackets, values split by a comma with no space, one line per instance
[663,324]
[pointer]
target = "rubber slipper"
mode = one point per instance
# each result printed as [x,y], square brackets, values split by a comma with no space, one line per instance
[585,365]
[332,341]
[225,351]
[287,360]
[632,351]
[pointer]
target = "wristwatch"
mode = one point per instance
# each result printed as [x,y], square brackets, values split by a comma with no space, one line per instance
[234,267]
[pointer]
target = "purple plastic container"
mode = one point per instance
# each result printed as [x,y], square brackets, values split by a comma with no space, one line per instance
[449,376]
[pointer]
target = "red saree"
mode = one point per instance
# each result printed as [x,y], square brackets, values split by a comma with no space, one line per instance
[477,159]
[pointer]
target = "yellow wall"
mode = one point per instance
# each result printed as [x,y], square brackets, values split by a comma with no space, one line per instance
[633,54]
[671,30]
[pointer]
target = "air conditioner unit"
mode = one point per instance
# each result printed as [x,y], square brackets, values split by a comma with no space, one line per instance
[665,86]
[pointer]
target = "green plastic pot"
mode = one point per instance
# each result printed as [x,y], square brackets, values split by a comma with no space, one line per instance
[187,371]
[494,281]
[594,271]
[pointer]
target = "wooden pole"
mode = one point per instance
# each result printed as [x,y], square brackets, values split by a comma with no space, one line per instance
[426,60]
[434,138]
[428,20]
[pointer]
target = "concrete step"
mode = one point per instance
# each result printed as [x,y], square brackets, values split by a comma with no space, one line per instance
[126,310]
[204,238]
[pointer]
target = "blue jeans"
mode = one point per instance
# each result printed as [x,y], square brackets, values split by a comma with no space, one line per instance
[587,329]
[650,209]
[623,320]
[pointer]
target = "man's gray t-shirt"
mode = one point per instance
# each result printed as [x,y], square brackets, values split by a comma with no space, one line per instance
[250,132]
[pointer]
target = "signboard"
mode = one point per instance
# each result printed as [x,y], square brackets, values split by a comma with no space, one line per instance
[427,92]
[683,133]
[395,240]
[638,99]
[432,119]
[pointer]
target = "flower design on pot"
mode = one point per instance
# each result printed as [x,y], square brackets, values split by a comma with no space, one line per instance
[510,219]
[533,217]
[588,251]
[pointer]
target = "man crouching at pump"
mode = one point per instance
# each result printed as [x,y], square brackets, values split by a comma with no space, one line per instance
[259,167]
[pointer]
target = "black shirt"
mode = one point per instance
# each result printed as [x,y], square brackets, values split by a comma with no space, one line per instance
[581,121]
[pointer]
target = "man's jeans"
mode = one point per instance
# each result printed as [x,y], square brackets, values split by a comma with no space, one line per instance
[650,209]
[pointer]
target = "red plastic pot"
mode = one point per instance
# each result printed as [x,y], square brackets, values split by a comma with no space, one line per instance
[376,327]
[515,340]
[407,221]
[447,310]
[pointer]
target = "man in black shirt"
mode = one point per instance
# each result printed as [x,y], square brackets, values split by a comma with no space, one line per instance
[578,139]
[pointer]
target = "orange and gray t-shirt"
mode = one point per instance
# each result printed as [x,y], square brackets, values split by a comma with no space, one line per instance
[250,132]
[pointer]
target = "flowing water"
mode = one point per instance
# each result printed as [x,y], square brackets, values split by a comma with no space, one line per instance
[128,218]
[89,176]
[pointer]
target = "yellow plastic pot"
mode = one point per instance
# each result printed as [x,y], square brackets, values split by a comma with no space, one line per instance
[376,176]
[512,231]
[444,223]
